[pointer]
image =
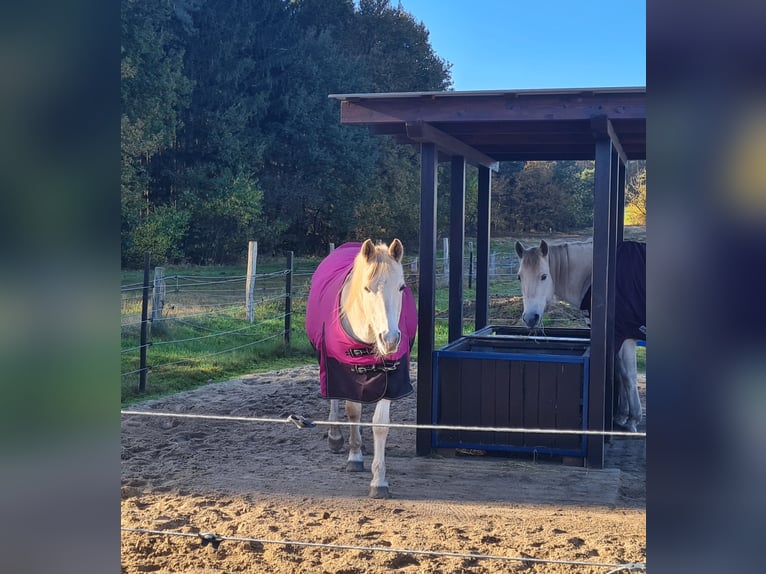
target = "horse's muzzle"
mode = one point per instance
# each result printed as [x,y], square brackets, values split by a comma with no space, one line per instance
[531,320]
[388,344]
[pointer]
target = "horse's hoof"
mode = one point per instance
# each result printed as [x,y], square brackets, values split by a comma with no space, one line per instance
[355,466]
[379,492]
[336,444]
[625,425]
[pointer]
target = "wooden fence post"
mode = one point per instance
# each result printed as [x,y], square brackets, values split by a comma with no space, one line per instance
[445,248]
[158,295]
[288,297]
[144,323]
[252,256]
[470,263]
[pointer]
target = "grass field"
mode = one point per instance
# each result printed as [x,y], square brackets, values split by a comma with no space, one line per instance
[204,335]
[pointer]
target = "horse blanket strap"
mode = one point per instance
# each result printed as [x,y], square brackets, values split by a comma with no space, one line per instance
[360,352]
[349,369]
[382,367]
[630,293]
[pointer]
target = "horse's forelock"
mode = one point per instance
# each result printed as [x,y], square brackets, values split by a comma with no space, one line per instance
[378,263]
[367,269]
[532,259]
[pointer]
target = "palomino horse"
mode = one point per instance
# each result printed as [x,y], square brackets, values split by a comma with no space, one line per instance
[564,272]
[361,320]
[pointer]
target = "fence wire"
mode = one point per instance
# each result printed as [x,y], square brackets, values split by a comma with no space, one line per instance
[216,539]
[303,422]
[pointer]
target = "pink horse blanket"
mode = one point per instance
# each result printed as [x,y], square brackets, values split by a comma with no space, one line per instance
[348,368]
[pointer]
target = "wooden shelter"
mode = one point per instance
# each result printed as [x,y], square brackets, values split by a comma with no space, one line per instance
[482,128]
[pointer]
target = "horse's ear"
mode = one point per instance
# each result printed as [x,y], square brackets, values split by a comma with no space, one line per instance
[396,250]
[543,247]
[368,249]
[519,250]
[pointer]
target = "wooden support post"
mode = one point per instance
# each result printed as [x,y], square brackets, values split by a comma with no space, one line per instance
[252,257]
[600,281]
[426,293]
[482,254]
[615,214]
[457,243]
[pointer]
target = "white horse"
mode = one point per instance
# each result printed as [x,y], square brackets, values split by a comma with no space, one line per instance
[361,319]
[564,272]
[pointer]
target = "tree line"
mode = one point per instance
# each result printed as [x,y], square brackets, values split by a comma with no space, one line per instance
[228,134]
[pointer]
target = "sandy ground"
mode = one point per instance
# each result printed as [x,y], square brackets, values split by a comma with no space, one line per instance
[275,482]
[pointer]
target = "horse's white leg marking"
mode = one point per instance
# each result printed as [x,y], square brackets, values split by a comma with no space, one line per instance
[355,459]
[634,400]
[626,375]
[620,383]
[379,484]
[334,435]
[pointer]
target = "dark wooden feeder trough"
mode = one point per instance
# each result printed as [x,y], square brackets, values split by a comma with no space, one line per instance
[502,377]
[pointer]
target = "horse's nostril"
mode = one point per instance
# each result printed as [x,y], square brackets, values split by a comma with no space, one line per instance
[531,320]
[388,343]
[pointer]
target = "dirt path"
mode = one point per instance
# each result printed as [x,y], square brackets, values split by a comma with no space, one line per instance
[276,482]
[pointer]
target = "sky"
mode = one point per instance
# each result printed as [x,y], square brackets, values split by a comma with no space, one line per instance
[529,44]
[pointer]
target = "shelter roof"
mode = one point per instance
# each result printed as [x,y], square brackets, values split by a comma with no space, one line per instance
[487,127]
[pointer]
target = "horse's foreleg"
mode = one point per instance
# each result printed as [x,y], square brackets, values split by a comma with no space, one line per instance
[334,435]
[621,411]
[355,459]
[628,401]
[379,484]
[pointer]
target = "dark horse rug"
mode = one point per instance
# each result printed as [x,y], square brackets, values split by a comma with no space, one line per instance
[630,293]
[350,369]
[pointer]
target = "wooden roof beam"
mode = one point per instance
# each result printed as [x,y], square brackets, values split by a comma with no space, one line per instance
[602,128]
[424,132]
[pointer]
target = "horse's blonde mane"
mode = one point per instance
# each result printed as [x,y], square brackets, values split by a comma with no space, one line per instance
[572,270]
[563,259]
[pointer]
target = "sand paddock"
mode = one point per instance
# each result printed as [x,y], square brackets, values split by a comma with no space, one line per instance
[275,482]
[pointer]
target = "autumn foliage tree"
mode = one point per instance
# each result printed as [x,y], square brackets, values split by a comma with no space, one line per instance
[635,194]
[546,196]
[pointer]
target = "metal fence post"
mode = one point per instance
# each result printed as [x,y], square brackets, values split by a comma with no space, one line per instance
[144,324]
[288,296]
[158,295]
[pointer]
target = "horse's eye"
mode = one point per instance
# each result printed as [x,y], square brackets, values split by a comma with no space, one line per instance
[401,288]
[367,289]
[543,277]
[518,277]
